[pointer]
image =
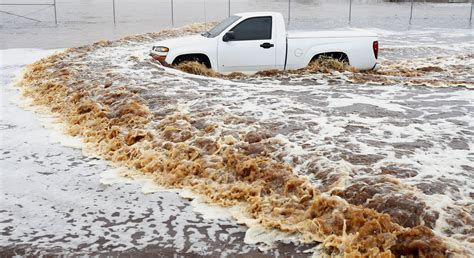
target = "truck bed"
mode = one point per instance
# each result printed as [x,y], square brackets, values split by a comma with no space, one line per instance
[330,34]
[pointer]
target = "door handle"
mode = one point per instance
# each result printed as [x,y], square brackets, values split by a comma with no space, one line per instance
[267,45]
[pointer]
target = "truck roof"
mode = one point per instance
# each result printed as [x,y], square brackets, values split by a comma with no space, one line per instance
[253,14]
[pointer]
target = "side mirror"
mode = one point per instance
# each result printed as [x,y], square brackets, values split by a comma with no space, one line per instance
[228,36]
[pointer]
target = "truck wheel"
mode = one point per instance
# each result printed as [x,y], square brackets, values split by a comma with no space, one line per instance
[200,58]
[333,55]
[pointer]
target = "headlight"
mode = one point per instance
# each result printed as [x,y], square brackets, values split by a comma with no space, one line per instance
[160,49]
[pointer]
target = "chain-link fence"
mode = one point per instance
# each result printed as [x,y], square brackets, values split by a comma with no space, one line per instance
[59,23]
[179,11]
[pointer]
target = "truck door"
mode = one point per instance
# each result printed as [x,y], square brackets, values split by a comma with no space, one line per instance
[250,46]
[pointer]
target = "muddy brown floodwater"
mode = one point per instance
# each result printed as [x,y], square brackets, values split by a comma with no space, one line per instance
[361,168]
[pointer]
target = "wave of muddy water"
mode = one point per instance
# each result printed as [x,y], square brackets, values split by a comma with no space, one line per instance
[364,169]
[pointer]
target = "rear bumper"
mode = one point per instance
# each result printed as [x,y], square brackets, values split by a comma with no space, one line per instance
[159,58]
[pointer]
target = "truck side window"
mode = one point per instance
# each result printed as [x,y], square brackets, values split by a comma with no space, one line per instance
[257,28]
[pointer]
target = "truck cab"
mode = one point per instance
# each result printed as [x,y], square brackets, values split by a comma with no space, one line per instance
[259,39]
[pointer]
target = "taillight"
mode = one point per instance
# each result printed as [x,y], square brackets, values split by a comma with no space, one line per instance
[376,49]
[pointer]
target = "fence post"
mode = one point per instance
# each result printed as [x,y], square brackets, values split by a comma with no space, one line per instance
[228,9]
[172,13]
[411,11]
[289,11]
[113,8]
[470,16]
[55,13]
[350,11]
[205,16]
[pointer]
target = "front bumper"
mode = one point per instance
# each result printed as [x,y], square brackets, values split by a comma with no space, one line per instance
[159,57]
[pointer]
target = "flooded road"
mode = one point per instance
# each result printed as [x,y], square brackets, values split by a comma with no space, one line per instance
[58,201]
[398,142]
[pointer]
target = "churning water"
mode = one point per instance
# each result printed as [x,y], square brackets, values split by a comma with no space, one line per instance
[362,162]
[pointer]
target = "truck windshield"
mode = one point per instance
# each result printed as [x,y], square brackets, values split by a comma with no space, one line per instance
[221,26]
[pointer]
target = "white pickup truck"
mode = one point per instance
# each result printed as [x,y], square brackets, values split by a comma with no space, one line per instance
[257,41]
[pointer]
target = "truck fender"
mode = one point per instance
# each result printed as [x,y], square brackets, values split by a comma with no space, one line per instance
[321,49]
